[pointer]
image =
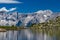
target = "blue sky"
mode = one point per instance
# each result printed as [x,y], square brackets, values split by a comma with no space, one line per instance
[29,6]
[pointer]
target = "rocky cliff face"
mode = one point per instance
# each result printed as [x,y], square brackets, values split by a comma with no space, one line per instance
[19,19]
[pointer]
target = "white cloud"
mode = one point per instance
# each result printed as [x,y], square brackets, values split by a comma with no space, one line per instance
[9,1]
[12,9]
[4,9]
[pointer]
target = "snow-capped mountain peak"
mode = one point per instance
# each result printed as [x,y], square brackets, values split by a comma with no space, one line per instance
[43,11]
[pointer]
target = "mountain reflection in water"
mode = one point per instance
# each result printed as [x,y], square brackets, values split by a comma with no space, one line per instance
[27,34]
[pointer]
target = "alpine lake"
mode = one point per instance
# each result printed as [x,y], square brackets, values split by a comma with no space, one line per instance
[30,34]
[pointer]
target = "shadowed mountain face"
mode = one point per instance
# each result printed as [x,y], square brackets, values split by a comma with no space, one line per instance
[19,19]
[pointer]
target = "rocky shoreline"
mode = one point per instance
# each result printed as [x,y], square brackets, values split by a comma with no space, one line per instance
[2,30]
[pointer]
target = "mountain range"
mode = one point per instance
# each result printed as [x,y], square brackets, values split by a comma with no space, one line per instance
[9,18]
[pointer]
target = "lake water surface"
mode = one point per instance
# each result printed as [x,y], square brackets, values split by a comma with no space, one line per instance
[27,34]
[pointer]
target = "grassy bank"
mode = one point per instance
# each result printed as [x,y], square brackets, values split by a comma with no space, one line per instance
[11,28]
